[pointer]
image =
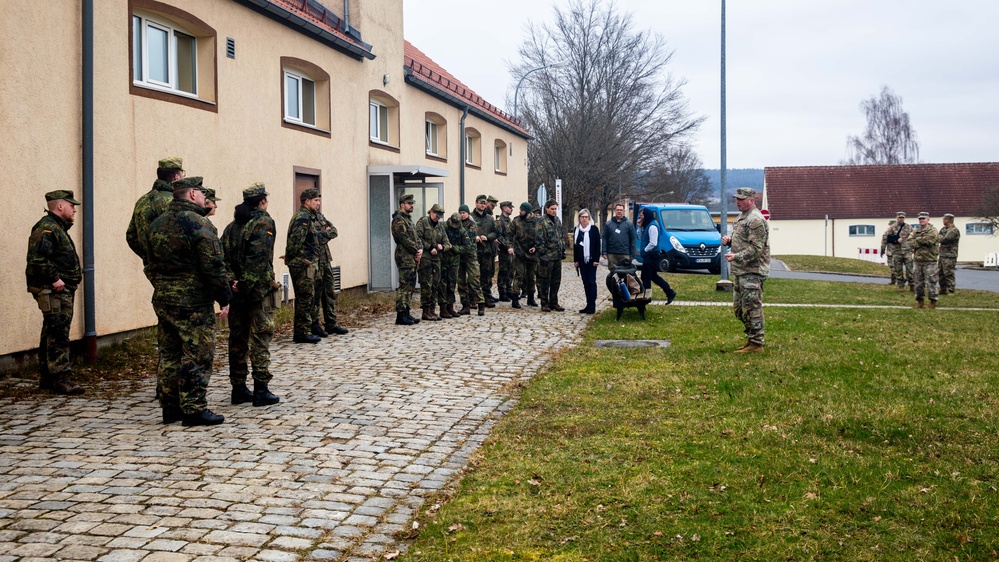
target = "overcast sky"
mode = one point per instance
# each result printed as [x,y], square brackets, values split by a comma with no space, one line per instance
[797,69]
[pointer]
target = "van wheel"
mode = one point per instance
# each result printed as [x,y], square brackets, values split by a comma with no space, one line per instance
[665,264]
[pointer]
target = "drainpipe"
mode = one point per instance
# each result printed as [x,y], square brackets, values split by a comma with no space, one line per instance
[461,181]
[89,316]
[346,16]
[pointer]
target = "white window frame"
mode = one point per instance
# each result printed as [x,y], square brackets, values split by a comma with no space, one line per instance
[303,81]
[978,229]
[171,85]
[378,117]
[868,230]
[470,148]
[433,138]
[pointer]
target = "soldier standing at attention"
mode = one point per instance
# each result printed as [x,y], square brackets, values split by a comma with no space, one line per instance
[524,234]
[248,245]
[504,239]
[468,268]
[53,273]
[885,248]
[485,249]
[552,249]
[302,257]
[749,259]
[458,238]
[901,254]
[925,243]
[408,251]
[325,285]
[189,275]
[434,242]
[152,204]
[950,237]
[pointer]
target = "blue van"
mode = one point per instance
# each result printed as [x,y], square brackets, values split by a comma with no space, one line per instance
[688,238]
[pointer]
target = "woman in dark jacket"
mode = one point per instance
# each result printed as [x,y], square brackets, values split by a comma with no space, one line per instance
[586,255]
[650,254]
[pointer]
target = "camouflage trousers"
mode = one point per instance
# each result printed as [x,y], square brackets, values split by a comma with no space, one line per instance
[525,274]
[407,283]
[927,279]
[325,308]
[430,282]
[251,328]
[549,281]
[504,278]
[449,281]
[898,261]
[186,338]
[946,271]
[468,281]
[53,346]
[748,305]
[303,279]
[487,269]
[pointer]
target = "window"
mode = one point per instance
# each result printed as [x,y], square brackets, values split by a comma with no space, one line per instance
[383,120]
[164,56]
[305,96]
[432,138]
[978,229]
[299,98]
[435,133]
[473,146]
[499,157]
[379,122]
[862,230]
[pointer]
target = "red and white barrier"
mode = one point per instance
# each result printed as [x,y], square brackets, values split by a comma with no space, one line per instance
[871,254]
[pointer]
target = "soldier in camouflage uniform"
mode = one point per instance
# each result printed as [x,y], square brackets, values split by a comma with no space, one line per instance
[925,243]
[485,248]
[885,249]
[901,252]
[435,243]
[524,239]
[950,237]
[749,259]
[458,238]
[468,267]
[151,205]
[408,251]
[504,239]
[301,254]
[248,246]
[189,275]
[552,249]
[325,284]
[53,273]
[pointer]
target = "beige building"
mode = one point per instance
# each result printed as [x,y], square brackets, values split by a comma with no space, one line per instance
[288,92]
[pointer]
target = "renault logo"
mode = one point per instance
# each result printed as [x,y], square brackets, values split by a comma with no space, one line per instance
[703,247]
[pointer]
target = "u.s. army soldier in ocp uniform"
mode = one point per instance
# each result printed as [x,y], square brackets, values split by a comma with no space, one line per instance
[750,263]
[950,238]
[901,252]
[886,249]
[925,244]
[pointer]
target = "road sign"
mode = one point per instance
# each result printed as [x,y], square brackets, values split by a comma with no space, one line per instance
[765,213]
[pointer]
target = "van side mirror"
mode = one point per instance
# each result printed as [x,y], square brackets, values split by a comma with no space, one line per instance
[718,228]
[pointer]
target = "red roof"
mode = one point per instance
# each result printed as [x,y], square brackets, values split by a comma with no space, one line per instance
[320,15]
[433,75]
[812,192]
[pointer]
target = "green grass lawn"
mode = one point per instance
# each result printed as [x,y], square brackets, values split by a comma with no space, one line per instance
[835,265]
[859,434]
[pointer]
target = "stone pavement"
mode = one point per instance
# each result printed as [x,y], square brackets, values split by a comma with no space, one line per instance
[369,425]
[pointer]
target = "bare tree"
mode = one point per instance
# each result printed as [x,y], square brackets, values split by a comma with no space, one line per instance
[677,177]
[889,138]
[605,110]
[988,209]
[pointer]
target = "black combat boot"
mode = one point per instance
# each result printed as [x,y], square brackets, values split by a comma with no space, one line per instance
[482,308]
[241,394]
[318,330]
[531,301]
[62,383]
[204,417]
[262,396]
[45,381]
[411,317]
[504,296]
[402,319]
[172,414]
[307,338]
[515,302]
[338,330]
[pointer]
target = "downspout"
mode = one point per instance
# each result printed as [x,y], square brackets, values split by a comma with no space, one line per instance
[346,16]
[89,316]
[461,181]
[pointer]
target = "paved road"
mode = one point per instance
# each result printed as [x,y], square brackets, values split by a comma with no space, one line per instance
[369,426]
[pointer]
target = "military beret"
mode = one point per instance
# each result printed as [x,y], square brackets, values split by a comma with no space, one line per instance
[550,202]
[924,215]
[463,209]
[745,193]
[407,198]
[481,198]
[506,204]
[900,214]
[949,217]
[492,199]
[437,209]
[210,195]
[193,182]
[61,194]
[171,163]
[255,190]
[526,207]
[310,193]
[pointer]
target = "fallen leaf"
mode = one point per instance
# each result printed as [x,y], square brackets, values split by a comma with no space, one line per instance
[811,496]
[456,527]
[393,555]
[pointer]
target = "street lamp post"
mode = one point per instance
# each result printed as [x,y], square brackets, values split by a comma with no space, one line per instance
[723,284]
[516,91]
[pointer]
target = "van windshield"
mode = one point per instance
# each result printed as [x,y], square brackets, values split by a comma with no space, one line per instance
[686,220]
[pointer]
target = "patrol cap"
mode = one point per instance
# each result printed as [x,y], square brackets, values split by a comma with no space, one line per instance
[454,220]
[437,209]
[506,204]
[210,195]
[550,202]
[255,190]
[526,207]
[463,208]
[310,193]
[924,215]
[492,199]
[407,198]
[61,194]
[481,198]
[900,214]
[193,182]
[171,163]
[949,217]
[745,193]
[891,222]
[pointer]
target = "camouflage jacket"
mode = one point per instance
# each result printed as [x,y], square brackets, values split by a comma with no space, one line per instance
[52,255]
[151,205]
[461,241]
[407,243]
[925,243]
[751,244]
[903,232]
[524,233]
[551,238]
[249,253]
[485,225]
[185,259]
[431,234]
[950,237]
[503,233]
[470,230]
[325,231]
[302,248]
[885,248]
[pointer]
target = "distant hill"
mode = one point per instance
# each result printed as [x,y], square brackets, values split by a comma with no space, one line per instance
[744,177]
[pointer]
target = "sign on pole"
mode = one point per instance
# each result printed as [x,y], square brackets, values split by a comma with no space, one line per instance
[765,213]
[558,196]
[542,196]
